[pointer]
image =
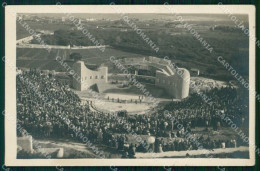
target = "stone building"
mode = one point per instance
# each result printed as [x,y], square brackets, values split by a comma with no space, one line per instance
[176,81]
[88,77]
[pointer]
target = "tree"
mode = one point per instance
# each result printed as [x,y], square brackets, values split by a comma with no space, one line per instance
[75,56]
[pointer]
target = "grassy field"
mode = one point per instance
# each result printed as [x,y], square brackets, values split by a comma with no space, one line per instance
[172,39]
[87,54]
[30,57]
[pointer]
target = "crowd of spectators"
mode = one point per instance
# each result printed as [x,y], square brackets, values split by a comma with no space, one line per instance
[47,108]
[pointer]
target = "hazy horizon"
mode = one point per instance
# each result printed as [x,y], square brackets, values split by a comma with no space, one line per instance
[147,16]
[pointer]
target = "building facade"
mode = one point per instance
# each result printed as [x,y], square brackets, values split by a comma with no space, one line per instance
[88,77]
[177,85]
[176,81]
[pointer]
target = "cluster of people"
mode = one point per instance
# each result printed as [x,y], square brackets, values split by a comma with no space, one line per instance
[161,145]
[47,107]
[198,112]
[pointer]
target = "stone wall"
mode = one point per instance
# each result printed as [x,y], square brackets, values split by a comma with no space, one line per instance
[176,85]
[25,143]
[88,77]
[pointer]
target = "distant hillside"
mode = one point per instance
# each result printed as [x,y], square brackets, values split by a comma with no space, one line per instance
[173,41]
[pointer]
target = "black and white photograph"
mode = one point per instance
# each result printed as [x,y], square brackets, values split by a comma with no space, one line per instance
[141,85]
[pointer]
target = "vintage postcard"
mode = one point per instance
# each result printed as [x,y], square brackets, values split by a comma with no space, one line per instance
[130,85]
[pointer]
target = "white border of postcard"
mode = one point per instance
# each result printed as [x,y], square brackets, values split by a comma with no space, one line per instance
[10,85]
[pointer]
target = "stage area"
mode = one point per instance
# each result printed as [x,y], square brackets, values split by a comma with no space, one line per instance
[110,102]
[126,104]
